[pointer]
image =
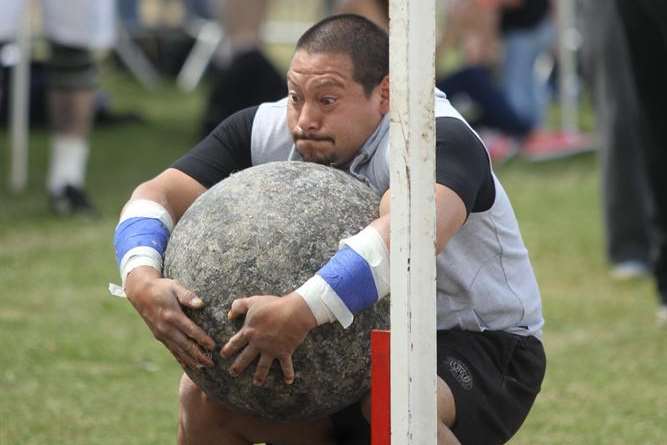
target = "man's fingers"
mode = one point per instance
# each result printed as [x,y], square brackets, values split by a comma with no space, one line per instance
[177,356]
[191,350]
[239,307]
[262,370]
[288,369]
[187,326]
[234,345]
[246,357]
[187,298]
[181,357]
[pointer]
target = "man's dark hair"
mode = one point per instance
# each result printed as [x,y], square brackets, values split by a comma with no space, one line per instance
[366,43]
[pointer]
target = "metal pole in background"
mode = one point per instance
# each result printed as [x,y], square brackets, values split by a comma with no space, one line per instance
[20,82]
[568,43]
[208,37]
[413,273]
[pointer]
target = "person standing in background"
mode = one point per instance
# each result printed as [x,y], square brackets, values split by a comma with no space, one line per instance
[242,75]
[624,185]
[645,23]
[72,81]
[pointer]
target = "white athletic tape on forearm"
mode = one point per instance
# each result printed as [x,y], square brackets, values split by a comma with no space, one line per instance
[145,208]
[324,303]
[140,256]
[371,247]
[323,300]
[311,291]
[143,255]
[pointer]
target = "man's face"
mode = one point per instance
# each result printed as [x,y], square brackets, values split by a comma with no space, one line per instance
[328,113]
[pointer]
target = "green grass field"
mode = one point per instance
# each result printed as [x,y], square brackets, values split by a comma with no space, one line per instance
[79,367]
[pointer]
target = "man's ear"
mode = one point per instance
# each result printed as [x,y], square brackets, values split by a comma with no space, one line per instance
[384,95]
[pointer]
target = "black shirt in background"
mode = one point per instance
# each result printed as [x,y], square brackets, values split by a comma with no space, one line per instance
[527,16]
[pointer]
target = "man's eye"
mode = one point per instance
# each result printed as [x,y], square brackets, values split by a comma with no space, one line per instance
[294,98]
[328,100]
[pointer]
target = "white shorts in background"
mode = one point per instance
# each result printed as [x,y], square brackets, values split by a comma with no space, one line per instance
[81,23]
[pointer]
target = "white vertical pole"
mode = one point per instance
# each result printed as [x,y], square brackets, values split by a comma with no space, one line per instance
[567,79]
[18,176]
[413,319]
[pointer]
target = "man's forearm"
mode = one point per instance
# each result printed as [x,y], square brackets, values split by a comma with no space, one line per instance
[450,215]
[383,227]
[153,192]
[172,189]
[148,218]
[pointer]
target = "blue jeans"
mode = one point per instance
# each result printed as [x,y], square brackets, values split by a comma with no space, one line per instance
[476,82]
[525,92]
[128,12]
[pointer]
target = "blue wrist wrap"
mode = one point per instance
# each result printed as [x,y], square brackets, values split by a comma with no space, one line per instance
[139,231]
[350,276]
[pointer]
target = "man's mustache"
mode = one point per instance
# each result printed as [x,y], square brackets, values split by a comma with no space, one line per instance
[303,136]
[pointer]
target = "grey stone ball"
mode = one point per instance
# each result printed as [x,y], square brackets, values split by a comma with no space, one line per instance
[266,230]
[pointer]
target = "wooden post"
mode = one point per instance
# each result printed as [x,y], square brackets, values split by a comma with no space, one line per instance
[413,310]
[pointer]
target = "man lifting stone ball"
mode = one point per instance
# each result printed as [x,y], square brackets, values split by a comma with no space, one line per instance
[490,358]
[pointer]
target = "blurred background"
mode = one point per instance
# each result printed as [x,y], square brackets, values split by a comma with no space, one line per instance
[550,86]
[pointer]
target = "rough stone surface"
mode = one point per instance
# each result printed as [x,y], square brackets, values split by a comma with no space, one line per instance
[266,230]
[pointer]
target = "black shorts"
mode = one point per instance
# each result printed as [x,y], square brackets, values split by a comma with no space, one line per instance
[494,376]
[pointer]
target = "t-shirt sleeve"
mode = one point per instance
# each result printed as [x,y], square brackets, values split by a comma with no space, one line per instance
[224,151]
[462,164]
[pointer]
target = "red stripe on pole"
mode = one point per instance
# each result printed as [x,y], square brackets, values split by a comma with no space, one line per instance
[380,388]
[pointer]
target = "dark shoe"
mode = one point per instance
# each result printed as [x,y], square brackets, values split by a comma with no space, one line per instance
[71,201]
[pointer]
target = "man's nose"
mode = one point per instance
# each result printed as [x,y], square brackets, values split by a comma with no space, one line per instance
[309,118]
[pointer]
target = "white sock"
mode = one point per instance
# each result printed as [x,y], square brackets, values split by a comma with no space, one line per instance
[67,166]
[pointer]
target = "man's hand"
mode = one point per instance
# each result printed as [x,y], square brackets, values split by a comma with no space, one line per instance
[158,301]
[274,327]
